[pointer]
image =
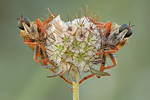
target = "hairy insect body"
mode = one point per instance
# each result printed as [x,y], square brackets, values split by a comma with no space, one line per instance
[33,37]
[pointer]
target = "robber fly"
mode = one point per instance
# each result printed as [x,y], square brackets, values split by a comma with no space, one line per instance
[35,36]
[112,40]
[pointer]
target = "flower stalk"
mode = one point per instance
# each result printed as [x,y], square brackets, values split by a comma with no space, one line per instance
[76,88]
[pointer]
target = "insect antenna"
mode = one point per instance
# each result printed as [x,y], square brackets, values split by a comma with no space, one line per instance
[21,19]
[130,24]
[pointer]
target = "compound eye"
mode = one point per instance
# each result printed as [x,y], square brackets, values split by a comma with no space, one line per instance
[129,33]
[26,20]
[125,26]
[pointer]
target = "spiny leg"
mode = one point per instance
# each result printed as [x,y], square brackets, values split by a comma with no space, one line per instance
[55,74]
[41,60]
[101,69]
[44,61]
[41,27]
[96,23]
[36,55]
[60,74]
[65,80]
[31,42]
[112,50]
[112,57]
[102,64]
[48,67]
[94,72]
[50,18]
[86,77]
[106,26]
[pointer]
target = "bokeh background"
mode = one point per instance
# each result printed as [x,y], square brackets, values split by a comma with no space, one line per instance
[23,79]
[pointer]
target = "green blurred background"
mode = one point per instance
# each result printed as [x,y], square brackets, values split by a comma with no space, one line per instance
[23,79]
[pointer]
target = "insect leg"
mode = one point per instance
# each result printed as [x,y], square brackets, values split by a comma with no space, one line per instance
[107,28]
[50,18]
[55,73]
[112,50]
[102,64]
[112,57]
[96,23]
[101,69]
[30,42]
[41,27]
[59,74]
[65,80]
[46,66]
[36,54]
[86,77]
[42,60]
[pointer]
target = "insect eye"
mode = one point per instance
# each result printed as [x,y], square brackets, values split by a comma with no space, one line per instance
[125,26]
[26,20]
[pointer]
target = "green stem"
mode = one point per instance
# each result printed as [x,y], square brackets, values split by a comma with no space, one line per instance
[76,88]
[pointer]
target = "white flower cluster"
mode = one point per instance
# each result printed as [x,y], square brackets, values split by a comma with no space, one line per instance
[73,43]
